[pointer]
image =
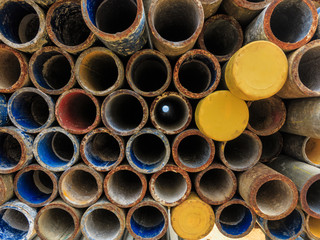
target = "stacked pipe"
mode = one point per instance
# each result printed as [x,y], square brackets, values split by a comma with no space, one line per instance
[159,119]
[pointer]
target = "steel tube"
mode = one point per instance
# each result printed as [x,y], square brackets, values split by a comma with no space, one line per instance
[222,36]
[44,3]
[210,7]
[124,112]
[149,72]
[36,186]
[175,25]
[124,186]
[77,111]
[271,195]
[56,149]
[288,23]
[313,227]
[4,118]
[271,146]
[241,153]
[99,71]
[6,188]
[216,184]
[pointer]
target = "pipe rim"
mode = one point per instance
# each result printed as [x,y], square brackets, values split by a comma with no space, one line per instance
[252,5]
[303,196]
[308,230]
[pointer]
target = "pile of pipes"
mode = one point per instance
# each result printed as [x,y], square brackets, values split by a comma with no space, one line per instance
[158,119]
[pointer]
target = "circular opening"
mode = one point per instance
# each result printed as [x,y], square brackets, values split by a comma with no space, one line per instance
[291,20]
[235,219]
[170,187]
[149,73]
[102,224]
[60,219]
[124,187]
[10,151]
[98,71]
[221,37]
[114,16]
[52,70]
[124,113]
[9,69]
[176,22]
[79,187]
[312,150]
[313,194]
[147,221]
[68,25]
[13,223]
[20,22]
[274,198]
[77,111]
[216,185]
[62,146]
[309,69]
[271,146]
[314,226]
[171,113]
[194,151]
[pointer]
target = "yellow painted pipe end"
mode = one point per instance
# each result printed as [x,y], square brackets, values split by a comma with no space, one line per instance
[222,116]
[193,219]
[313,227]
[312,150]
[257,71]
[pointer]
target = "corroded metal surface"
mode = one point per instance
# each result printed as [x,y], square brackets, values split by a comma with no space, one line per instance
[4,118]
[271,146]
[6,187]
[210,7]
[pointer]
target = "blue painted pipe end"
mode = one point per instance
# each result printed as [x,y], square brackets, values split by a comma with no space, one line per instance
[4,119]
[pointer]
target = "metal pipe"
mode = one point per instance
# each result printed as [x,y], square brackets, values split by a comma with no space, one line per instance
[58,220]
[6,188]
[66,27]
[4,118]
[44,3]
[170,186]
[171,113]
[271,146]
[148,151]
[77,111]
[288,228]
[192,151]
[120,25]
[17,221]
[102,221]
[31,110]
[222,36]
[288,23]
[124,112]
[147,220]
[15,149]
[124,186]
[13,69]
[196,74]
[102,150]
[51,70]
[216,184]
[99,71]
[175,25]
[267,116]
[242,153]
[149,72]
[80,186]
[306,178]
[23,25]
[36,186]
[271,195]
[192,219]
[56,149]
[313,227]
[235,218]
[210,7]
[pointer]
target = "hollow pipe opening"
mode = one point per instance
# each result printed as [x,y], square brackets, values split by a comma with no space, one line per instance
[271,146]
[312,197]
[313,226]
[10,151]
[312,150]
[10,69]
[13,223]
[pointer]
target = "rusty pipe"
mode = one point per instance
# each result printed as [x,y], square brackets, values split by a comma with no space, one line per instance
[271,146]
[44,3]
[242,153]
[192,151]
[124,112]
[216,184]
[222,36]
[124,186]
[312,227]
[210,7]
[80,186]
[66,27]
[148,151]
[77,111]
[175,25]
[266,116]
[4,118]
[271,195]
[6,188]
[99,71]
[149,72]
[290,24]
[170,186]
[23,25]
[196,74]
